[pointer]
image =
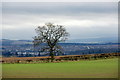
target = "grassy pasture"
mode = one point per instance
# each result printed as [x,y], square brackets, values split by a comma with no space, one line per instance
[103,68]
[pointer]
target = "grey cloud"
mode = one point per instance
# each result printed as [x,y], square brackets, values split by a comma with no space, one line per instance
[22,18]
[59,8]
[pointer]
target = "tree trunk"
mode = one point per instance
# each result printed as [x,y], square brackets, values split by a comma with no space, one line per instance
[52,55]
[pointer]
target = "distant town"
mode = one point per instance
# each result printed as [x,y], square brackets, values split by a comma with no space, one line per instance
[25,48]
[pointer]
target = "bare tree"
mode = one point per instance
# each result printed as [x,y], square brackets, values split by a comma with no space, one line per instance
[51,35]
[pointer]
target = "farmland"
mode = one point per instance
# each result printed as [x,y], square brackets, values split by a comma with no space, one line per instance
[101,68]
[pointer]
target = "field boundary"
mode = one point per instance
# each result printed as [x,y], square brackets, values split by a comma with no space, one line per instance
[58,58]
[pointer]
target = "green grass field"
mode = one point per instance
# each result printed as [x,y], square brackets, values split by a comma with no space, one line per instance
[104,68]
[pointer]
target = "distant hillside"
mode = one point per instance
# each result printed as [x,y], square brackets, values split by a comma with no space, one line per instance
[16,42]
[81,41]
[95,40]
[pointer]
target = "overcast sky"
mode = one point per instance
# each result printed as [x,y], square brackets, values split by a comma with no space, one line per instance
[82,20]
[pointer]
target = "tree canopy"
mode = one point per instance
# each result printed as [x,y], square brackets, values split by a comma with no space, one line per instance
[51,35]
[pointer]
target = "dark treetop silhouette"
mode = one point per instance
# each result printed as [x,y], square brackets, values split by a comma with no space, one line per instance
[51,35]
